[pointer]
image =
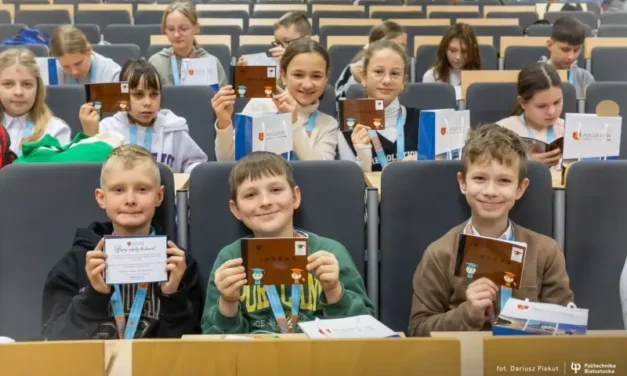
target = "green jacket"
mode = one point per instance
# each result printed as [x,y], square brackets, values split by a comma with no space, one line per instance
[48,149]
[255,314]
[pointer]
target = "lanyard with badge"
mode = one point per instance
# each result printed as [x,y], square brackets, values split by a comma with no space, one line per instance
[400,140]
[127,330]
[147,136]
[550,135]
[277,306]
[92,74]
[505,292]
[176,75]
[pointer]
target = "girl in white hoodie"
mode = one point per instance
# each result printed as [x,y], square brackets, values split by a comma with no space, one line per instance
[305,72]
[23,108]
[160,131]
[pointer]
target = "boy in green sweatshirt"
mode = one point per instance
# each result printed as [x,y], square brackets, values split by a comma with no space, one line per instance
[264,196]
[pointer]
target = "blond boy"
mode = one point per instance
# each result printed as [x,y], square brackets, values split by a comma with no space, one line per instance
[78,303]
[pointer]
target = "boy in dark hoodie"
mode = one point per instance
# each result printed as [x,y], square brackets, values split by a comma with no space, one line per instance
[76,299]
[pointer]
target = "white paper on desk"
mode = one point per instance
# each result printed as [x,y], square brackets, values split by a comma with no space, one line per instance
[238,338]
[364,326]
[260,59]
[135,259]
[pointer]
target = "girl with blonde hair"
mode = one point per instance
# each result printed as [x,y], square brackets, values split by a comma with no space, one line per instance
[78,63]
[180,25]
[23,108]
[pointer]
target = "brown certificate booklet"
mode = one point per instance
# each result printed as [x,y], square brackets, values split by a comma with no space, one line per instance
[275,261]
[537,146]
[109,97]
[498,260]
[368,112]
[254,81]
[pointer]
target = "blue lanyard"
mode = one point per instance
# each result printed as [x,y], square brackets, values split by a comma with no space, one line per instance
[549,131]
[277,307]
[92,74]
[28,130]
[400,135]
[311,122]
[127,331]
[506,292]
[571,75]
[147,137]
[400,140]
[176,74]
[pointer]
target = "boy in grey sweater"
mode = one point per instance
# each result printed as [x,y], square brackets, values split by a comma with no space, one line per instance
[565,44]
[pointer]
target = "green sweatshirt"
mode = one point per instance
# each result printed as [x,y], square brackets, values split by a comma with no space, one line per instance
[48,149]
[255,314]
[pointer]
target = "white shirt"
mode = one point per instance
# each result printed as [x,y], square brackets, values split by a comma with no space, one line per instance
[15,127]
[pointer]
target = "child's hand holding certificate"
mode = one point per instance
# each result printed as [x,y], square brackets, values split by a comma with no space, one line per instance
[135,259]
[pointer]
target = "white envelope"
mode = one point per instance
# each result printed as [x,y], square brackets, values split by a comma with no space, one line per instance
[364,326]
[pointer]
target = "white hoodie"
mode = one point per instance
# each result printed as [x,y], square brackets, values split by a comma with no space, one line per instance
[171,143]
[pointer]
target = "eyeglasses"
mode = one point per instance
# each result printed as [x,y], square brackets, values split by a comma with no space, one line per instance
[284,44]
[380,74]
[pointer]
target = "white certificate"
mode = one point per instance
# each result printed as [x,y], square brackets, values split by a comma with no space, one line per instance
[135,259]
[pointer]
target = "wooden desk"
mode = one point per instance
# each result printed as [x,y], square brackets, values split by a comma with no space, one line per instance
[452,8]
[373,180]
[507,8]
[472,344]
[53,358]
[406,356]
[181,181]
[507,41]
[591,43]
[556,178]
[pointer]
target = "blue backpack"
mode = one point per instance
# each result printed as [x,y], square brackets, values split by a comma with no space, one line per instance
[28,36]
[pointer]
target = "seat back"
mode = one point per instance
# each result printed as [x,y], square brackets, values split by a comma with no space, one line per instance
[39,50]
[490,102]
[135,34]
[604,67]
[194,104]
[595,238]
[120,52]
[65,101]
[103,18]
[34,17]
